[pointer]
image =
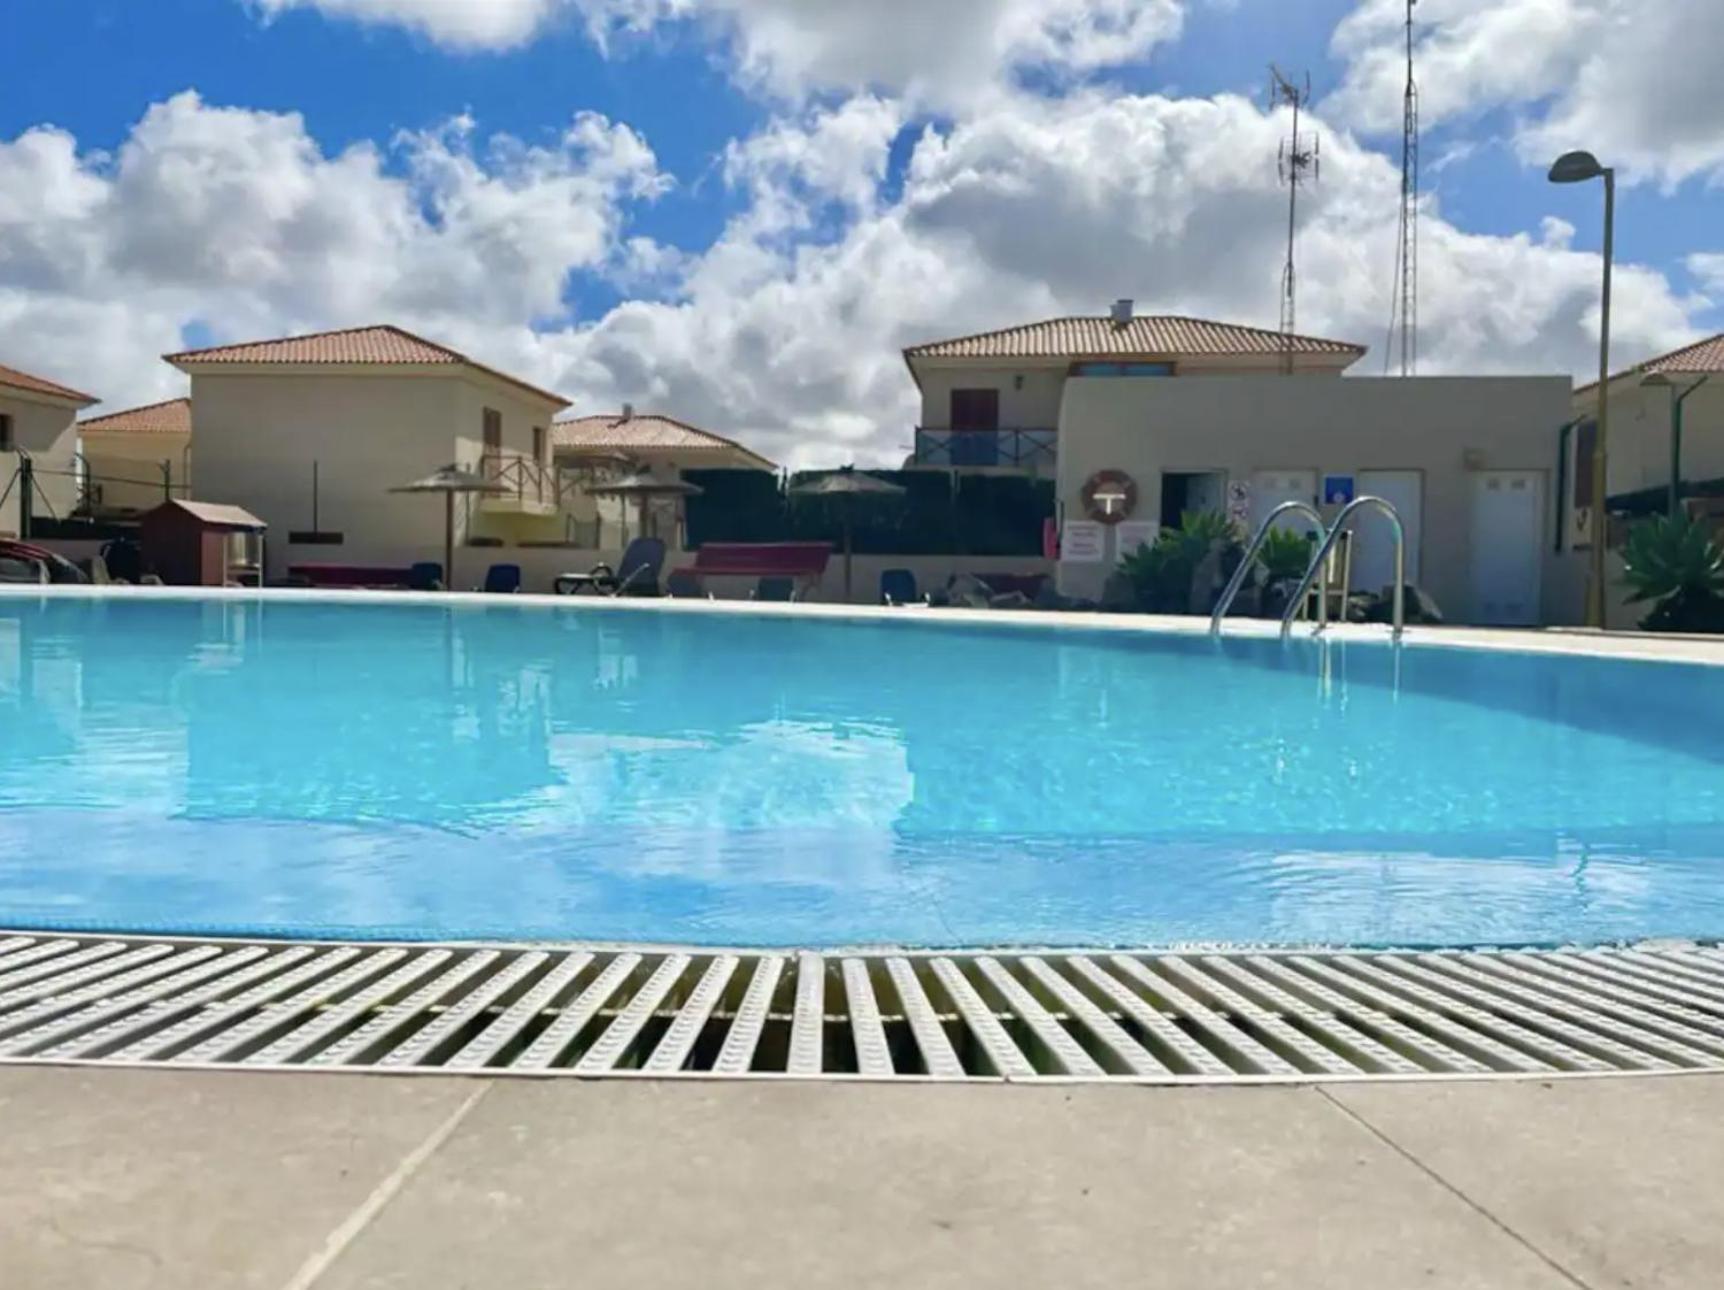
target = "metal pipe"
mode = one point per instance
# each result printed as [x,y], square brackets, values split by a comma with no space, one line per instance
[1600,472]
[1677,400]
[1341,522]
[1243,571]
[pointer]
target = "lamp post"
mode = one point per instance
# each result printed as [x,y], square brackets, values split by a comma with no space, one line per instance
[1579,168]
[1678,396]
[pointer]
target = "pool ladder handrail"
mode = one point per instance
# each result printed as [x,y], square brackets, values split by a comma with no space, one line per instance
[1237,581]
[1317,561]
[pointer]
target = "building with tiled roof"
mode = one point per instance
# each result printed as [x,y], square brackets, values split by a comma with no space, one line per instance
[172,417]
[136,458]
[383,346]
[652,438]
[311,433]
[37,433]
[1140,337]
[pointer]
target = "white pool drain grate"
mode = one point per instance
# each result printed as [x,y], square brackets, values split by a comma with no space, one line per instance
[1215,1017]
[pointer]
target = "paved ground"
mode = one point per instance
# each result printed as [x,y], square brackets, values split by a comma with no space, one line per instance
[125,1180]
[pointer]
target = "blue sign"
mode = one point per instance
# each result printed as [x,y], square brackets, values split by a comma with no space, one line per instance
[1337,490]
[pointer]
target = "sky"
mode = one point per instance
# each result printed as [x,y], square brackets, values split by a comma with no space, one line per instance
[738,212]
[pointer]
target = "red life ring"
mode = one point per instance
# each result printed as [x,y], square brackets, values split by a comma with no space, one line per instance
[1110,496]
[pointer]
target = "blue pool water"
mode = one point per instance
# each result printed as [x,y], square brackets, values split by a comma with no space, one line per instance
[412,770]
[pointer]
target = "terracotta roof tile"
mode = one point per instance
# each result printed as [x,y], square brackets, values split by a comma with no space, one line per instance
[615,432]
[381,346]
[172,417]
[1703,356]
[1145,336]
[39,385]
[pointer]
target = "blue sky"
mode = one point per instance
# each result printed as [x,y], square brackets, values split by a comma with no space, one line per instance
[750,108]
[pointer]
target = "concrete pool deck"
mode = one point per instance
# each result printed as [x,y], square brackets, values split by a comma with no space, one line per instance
[130,1180]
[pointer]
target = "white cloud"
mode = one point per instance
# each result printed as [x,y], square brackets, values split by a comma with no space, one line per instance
[1708,268]
[932,51]
[237,220]
[1633,80]
[787,329]
[459,24]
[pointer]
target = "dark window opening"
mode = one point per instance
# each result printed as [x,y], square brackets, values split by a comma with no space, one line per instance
[975,409]
[6,444]
[539,443]
[1122,369]
[493,432]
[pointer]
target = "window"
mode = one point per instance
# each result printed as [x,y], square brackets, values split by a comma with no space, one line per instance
[1122,369]
[6,444]
[493,432]
[975,410]
[539,444]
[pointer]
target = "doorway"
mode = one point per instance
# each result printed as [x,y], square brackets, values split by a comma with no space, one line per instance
[1507,546]
[1374,545]
[1186,491]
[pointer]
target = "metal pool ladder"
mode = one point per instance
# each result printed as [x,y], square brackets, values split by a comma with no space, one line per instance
[1244,570]
[1341,522]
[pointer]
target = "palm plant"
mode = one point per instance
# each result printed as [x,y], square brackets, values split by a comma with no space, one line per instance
[1674,561]
[1285,554]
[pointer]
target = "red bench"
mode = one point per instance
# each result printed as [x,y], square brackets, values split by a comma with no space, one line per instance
[804,561]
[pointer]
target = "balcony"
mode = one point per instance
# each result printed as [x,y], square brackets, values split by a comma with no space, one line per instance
[529,486]
[1031,450]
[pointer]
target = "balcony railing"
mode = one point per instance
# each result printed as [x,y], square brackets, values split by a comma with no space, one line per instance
[1024,449]
[524,480]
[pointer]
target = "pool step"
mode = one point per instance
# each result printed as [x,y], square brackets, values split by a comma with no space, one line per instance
[612,1011]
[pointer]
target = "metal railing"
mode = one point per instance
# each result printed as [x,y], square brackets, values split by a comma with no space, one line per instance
[523,478]
[1027,447]
[1237,581]
[1328,544]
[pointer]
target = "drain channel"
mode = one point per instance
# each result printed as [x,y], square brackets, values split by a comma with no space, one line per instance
[590,1011]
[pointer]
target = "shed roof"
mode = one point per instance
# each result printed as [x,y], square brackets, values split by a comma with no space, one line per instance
[214,513]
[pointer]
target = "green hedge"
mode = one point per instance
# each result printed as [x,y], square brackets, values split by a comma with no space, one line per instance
[941,513]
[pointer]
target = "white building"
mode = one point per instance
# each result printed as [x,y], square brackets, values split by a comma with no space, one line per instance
[37,423]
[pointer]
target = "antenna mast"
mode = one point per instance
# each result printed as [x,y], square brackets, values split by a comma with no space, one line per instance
[1404,304]
[1299,162]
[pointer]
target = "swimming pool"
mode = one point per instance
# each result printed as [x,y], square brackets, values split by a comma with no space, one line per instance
[427,770]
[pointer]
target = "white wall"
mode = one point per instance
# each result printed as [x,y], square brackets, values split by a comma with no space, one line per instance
[128,467]
[46,431]
[1446,427]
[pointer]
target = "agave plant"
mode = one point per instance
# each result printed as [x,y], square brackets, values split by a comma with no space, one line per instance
[1285,554]
[1676,562]
[1163,572]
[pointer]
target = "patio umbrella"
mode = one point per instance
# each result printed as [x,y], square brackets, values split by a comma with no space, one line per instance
[644,486]
[450,480]
[849,485]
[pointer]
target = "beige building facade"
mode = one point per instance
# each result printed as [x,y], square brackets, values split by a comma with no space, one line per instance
[312,433]
[136,459]
[1469,463]
[37,422]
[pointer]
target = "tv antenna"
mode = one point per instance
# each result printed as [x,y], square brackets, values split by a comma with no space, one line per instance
[1404,298]
[1299,162]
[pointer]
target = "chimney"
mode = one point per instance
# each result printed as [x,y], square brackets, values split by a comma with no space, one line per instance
[1122,311]
[628,412]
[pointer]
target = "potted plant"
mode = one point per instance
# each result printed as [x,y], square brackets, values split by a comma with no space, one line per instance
[1676,563]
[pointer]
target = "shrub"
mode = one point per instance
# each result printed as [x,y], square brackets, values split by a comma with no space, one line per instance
[1675,562]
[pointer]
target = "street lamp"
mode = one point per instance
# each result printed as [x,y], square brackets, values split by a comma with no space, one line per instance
[1580,168]
[1678,396]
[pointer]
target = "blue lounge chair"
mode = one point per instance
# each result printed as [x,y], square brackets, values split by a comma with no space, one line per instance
[427,575]
[898,587]
[502,579]
[636,574]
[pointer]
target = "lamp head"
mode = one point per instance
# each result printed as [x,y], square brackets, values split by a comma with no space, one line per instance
[1575,168]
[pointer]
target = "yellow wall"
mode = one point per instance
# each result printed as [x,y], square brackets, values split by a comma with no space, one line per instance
[258,433]
[114,459]
[45,431]
[1445,427]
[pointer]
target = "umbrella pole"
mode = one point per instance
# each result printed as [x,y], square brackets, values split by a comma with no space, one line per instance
[847,548]
[448,541]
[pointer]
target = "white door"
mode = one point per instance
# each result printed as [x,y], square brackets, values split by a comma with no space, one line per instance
[1507,546]
[1270,488]
[1374,537]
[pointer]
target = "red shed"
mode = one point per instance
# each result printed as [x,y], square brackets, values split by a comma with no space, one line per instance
[202,544]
